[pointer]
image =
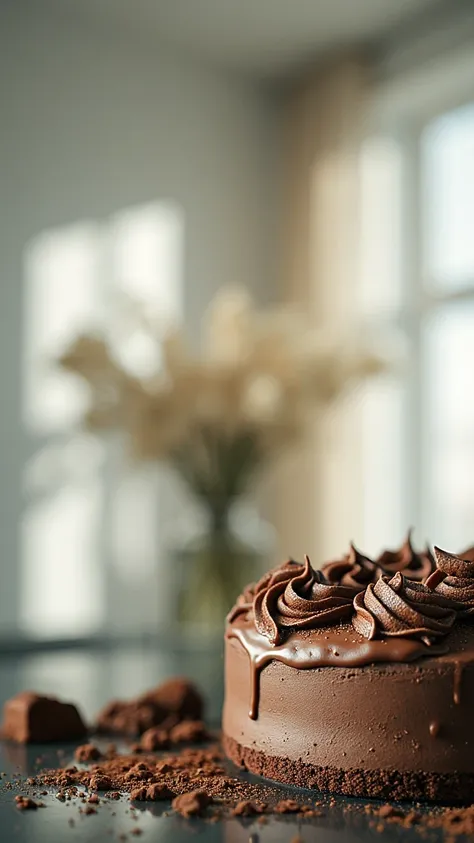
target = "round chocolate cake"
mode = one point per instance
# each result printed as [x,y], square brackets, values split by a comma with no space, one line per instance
[356,679]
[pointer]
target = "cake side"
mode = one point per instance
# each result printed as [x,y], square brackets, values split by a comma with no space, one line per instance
[414,716]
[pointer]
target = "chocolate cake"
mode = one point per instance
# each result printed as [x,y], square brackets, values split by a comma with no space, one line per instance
[358,678]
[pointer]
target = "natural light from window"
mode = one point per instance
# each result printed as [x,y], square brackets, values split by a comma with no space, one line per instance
[75,278]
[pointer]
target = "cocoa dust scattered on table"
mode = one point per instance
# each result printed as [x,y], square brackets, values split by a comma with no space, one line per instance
[197,783]
[454,822]
[195,780]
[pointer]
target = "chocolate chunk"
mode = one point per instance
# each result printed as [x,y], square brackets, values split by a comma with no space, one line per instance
[154,739]
[178,696]
[32,718]
[191,804]
[87,753]
[189,731]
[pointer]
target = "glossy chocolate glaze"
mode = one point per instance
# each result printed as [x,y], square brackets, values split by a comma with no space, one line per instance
[335,646]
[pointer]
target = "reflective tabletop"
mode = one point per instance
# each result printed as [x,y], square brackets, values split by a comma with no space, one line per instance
[92,677]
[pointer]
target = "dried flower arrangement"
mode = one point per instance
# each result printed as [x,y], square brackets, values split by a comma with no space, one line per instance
[217,417]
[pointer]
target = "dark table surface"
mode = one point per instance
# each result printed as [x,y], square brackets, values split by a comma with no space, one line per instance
[91,678]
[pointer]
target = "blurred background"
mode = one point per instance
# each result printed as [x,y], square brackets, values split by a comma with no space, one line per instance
[318,153]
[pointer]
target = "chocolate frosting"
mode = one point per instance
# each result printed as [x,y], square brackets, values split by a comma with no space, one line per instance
[407,561]
[468,554]
[453,579]
[243,603]
[296,596]
[400,607]
[354,570]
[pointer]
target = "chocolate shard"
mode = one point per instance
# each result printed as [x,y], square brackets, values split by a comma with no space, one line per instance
[32,718]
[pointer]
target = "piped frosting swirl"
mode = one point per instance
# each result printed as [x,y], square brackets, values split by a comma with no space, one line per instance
[354,570]
[396,606]
[409,562]
[453,579]
[296,596]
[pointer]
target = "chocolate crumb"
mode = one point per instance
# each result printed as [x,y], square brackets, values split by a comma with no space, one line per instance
[246,809]
[99,782]
[164,706]
[389,811]
[287,806]
[87,753]
[191,804]
[158,793]
[24,803]
[189,731]
[154,739]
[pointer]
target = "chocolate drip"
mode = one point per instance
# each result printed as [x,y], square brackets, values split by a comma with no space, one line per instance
[458,668]
[331,650]
[435,727]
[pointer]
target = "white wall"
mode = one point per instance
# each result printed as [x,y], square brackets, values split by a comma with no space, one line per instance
[91,125]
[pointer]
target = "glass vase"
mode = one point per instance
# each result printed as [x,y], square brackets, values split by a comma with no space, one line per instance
[212,566]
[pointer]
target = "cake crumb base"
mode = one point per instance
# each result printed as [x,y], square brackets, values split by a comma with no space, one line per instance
[392,785]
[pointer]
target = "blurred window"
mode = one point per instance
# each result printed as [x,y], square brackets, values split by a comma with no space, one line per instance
[74,279]
[418,273]
[447,158]
[448,423]
[446,426]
